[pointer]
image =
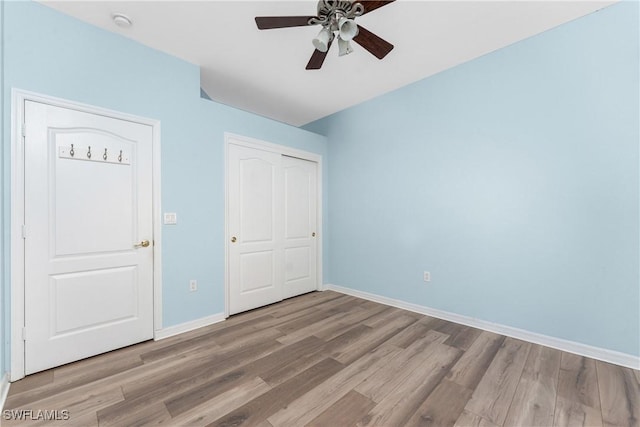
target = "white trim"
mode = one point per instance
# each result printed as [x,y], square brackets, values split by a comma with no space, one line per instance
[258,144]
[226,227]
[157,228]
[4,390]
[17,243]
[245,141]
[615,357]
[17,212]
[189,326]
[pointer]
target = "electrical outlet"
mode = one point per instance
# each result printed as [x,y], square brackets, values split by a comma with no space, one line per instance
[427,276]
[193,285]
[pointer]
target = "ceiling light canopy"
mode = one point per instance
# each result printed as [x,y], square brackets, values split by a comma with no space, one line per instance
[122,20]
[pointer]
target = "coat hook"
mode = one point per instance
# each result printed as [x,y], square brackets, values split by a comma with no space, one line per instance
[120,156]
[104,156]
[89,153]
[72,152]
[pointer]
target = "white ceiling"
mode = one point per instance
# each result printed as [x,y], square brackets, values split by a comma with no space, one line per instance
[264,71]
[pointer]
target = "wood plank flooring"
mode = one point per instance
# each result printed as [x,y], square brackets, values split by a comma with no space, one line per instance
[327,359]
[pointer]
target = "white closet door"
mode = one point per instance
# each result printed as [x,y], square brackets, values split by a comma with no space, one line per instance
[88,206]
[255,228]
[300,223]
[272,219]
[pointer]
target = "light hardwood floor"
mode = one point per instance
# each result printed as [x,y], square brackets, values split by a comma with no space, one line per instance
[327,359]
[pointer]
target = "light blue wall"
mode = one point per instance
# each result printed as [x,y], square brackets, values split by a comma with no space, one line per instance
[50,53]
[513,179]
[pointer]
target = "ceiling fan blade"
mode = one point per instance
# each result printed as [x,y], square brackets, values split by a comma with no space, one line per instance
[317,58]
[371,5]
[269,22]
[375,45]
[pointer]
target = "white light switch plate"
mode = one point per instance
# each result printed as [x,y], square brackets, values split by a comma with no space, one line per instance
[170,218]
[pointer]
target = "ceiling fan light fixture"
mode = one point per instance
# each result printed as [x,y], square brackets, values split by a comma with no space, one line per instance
[337,19]
[321,42]
[347,28]
[344,47]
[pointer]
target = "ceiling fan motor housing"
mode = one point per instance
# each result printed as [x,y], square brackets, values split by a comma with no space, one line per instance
[331,11]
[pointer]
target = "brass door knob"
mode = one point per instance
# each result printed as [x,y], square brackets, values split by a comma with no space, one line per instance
[142,244]
[233,239]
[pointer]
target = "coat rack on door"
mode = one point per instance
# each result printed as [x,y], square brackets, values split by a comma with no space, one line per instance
[88,153]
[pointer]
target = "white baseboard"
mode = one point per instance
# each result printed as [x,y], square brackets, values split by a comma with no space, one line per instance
[615,357]
[188,326]
[4,390]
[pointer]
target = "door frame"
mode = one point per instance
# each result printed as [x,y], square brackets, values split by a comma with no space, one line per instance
[248,142]
[17,253]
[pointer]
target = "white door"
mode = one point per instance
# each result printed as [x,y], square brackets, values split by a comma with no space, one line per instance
[88,222]
[271,224]
[255,227]
[300,222]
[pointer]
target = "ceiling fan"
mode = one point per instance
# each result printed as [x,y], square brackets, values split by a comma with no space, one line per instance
[335,16]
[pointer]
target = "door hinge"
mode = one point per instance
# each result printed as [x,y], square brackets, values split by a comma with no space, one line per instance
[24,334]
[24,130]
[24,231]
